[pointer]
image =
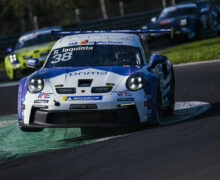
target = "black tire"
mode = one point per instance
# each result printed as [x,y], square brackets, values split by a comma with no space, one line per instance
[18,74]
[198,30]
[159,115]
[30,129]
[171,107]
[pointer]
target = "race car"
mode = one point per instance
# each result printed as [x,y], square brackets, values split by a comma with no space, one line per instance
[189,20]
[97,79]
[35,44]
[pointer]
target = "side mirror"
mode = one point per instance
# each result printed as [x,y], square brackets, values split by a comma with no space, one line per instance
[156,59]
[33,63]
[153,19]
[9,49]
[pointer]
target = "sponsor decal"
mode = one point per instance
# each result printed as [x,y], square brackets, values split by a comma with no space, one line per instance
[97,42]
[41,101]
[110,84]
[125,99]
[78,48]
[73,43]
[124,93]
[65,54]
[44,95]
[91,73]
[84,42]
[59,85]
[107,42]
[82,98]
[83,106]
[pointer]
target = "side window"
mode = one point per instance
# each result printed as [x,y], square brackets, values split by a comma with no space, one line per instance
[145,48]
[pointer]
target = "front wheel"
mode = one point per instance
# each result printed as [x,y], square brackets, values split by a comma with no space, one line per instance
[171,107]
[159,115]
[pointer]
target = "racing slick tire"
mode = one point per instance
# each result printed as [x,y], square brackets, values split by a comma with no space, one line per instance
[159,115]
[30,129]
[198,29]
[170,108]
[14,74]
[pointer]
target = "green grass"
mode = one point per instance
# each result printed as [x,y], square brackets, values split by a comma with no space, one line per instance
[208,49]
[2,65]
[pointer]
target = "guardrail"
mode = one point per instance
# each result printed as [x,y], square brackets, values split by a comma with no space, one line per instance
[120,22]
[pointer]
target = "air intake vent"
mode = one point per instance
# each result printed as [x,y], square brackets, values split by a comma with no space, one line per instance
[101,89]
[84,82]
[66,90]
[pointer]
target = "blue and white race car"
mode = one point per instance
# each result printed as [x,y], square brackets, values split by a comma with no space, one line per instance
[189,20]
[96,79]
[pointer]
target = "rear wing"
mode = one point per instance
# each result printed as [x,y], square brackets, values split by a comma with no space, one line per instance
[135,31]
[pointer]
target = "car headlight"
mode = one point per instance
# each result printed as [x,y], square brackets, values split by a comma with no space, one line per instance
[144,27]
[135,83]
[13,59]
[35,85]
[183,22]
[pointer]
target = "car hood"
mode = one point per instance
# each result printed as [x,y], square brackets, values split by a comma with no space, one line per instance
[169,22]
[100,75]
[35,51]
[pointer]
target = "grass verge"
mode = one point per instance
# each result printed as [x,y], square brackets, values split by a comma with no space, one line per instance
[207,49]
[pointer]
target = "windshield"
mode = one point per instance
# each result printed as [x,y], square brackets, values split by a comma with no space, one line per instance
[94,55]
[33,40]
[175,12]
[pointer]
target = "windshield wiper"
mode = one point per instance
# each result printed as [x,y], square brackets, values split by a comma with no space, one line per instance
[93,52]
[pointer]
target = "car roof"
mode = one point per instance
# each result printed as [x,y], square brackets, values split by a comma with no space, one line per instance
[184,5]
[99,38]
[32,34]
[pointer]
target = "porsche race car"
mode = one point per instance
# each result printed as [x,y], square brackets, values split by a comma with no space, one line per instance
[189,20]
[97,79]
[34,44]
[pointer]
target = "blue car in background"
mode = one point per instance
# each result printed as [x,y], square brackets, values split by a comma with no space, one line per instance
[189,20]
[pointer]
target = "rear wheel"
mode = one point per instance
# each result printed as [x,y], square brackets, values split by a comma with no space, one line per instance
[30,129]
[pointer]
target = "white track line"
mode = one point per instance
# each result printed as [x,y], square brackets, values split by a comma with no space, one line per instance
[8,84]
[197,63]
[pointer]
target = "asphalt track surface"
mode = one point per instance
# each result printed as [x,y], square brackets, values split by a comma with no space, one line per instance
[188,150]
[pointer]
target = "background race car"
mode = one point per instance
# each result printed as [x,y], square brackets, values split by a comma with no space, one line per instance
[97,80]
[35,44]
[189,20]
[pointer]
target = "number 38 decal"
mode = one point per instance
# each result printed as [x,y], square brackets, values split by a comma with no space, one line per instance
[61,57]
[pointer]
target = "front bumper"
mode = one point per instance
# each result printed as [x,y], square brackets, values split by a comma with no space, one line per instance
[178,32]
[122,117]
